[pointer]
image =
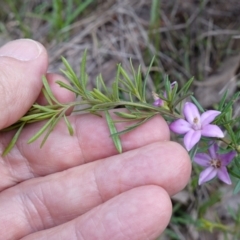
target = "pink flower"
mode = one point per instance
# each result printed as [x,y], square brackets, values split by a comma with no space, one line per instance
[215,164]
[158,102]
[196,126]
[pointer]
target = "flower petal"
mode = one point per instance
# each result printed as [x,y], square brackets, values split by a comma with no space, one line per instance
[208,116]
[226,158]
[173,84]
[191,138]
[191,112]
[213,149]
[180,126]
[211,130]
[158,102]
[202,159]
[224,176]
[207,174]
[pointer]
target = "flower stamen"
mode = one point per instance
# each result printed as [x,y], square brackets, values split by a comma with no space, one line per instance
[195,120]
[216,163]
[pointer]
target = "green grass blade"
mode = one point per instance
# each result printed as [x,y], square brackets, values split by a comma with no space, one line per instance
[82,6]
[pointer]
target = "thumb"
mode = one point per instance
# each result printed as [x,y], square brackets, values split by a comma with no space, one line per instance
[23,62]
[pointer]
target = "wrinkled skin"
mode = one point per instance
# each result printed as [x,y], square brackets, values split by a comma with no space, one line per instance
[78,187]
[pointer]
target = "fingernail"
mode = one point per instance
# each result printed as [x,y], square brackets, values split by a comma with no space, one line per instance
[22,49]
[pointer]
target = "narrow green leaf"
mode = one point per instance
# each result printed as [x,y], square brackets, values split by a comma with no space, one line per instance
[97,107]
[145,80]
[115,92]
[231,134]
[231,101]
[126,85]
[70,73]
[47,109]
[36,116]
[70,88]
[229,113]
[123,90]
[167,86]
[47,97]
[13,141]
[69,68]
[134,74]
[132,127]
[115,85]
[113,130]
[125,115]
[51,127]
[179,100]
[130,96]
[98,83]
[41,131]
[197,104]
[140,82]
[103,85]
[223,100]
[83,79]
[100,96]
[184,89]
[49,91]
[174,91]
[12,127]
[127,78]
[69,126]
[237,188]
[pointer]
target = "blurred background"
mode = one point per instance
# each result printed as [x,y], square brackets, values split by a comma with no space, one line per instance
[190,38]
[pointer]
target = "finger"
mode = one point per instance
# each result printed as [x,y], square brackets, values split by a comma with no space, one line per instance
[142,213]
[55,199]
[90,142]
[22,64]
[61,94]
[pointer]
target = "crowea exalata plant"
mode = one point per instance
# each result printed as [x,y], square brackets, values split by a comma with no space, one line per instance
[193,126]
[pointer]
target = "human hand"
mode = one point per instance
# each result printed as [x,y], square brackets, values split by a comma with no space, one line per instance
[78,187]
